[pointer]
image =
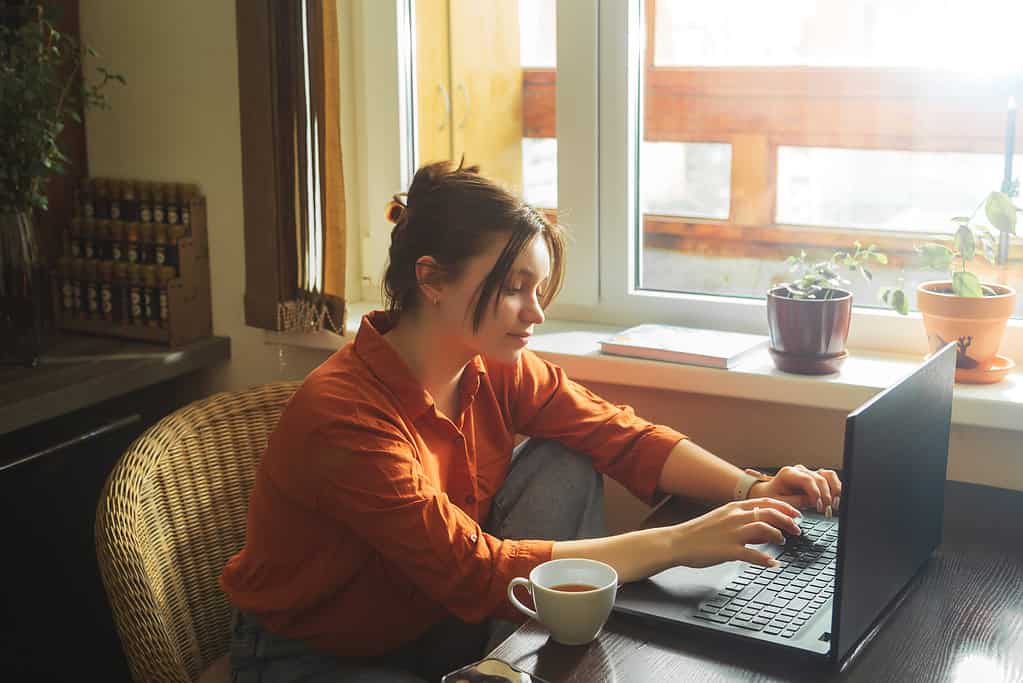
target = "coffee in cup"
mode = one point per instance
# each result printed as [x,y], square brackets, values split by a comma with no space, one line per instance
[573,597]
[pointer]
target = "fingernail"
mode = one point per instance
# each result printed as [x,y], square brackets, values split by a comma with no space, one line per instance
[774,563]
[820,505]
[827,512]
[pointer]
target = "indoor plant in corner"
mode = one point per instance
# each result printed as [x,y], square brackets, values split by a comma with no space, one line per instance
[41,86]
[962,308]
[808,318]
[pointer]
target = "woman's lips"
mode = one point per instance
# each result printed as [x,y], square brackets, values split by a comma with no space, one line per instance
[520,338]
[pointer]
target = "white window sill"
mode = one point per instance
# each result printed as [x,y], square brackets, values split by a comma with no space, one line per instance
[574,346]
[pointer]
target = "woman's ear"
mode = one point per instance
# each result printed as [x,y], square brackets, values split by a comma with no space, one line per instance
[429,278]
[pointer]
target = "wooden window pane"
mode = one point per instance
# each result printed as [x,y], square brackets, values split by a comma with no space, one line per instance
[471,81]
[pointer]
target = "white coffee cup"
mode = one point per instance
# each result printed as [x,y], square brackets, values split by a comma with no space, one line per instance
[574,616]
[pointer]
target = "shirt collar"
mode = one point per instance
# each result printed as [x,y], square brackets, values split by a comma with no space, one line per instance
[383,361]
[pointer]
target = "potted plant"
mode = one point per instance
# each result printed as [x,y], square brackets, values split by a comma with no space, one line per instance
[962,308]
[808,318]
[41,86]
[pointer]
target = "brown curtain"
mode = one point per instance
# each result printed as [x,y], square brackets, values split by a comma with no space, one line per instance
[291,164]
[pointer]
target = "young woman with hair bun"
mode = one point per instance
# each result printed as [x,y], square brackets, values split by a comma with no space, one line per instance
[392,505]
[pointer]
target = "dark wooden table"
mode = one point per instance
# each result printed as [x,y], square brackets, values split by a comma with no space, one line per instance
[961,621]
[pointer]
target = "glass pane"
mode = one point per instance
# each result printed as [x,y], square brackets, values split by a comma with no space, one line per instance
[537,37]
[485,77]
[903,33]
[882,189]
[540,171]
[685,179]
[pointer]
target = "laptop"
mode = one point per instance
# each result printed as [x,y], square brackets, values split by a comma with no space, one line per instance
[845,574]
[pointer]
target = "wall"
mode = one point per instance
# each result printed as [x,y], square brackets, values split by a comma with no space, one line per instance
[760,434]
[177,119]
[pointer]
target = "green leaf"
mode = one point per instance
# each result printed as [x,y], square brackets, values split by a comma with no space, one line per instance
[936,256]
[966,284]
[964,242]
[961,219]
[1001,212]
[879,257]
[896,299]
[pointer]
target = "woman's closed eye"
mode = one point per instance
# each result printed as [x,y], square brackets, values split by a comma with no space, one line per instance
[518,289]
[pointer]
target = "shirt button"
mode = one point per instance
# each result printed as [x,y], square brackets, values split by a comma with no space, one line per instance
[470,499]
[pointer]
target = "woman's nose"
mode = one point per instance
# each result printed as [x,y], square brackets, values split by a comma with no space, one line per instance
[533,313]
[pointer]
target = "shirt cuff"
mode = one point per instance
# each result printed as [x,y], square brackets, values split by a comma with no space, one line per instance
[652,452]
[523,558]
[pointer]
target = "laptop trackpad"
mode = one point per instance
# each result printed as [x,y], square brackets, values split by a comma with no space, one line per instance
[676,591]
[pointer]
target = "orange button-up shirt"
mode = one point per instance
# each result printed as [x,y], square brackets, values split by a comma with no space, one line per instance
[364,521]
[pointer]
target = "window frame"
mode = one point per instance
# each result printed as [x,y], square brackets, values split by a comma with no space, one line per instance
[621,301]
[599,207]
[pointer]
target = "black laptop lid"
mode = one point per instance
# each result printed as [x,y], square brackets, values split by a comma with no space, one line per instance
[896,456]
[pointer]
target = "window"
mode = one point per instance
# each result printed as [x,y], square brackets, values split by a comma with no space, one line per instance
[689,153]
[843,126]
[483,73]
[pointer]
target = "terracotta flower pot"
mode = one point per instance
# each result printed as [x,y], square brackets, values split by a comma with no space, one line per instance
[808,335]
[977,324]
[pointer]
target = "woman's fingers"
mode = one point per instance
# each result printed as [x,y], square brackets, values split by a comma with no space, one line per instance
[814,485]
[769,515]
[756,557]
[834,483]
[762,532]
[772,503]
[776,518]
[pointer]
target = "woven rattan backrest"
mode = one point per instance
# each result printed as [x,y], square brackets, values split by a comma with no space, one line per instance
[171,514]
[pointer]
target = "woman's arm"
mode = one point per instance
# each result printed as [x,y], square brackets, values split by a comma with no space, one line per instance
[720,535]
[695,472]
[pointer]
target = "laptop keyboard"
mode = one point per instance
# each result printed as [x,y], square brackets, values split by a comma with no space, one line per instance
[779,600]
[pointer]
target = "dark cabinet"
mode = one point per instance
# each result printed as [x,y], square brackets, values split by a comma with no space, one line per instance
[56,623]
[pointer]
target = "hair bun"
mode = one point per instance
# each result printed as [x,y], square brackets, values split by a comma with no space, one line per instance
[395,211]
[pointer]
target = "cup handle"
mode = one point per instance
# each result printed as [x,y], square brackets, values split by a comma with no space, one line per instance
[519,581]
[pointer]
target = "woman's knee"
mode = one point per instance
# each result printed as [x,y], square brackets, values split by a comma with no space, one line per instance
[551,492]
[559,462]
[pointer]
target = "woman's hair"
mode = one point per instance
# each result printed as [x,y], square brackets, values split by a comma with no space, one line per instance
[454,214]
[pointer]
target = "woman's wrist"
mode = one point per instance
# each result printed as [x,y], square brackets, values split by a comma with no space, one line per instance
[758,490]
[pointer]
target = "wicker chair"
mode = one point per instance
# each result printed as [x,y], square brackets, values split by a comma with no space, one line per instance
[171,514]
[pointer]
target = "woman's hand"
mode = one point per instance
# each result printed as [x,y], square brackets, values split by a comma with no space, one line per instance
[803,488]
[721,535]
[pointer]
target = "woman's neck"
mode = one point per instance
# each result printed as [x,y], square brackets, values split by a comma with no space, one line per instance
[429,355]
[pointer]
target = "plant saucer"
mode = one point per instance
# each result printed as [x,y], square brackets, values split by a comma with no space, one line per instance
[993,371]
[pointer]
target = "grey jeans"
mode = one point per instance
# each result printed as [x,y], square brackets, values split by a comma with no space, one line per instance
[551,493]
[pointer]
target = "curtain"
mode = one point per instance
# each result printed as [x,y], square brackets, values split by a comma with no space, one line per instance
[293,184]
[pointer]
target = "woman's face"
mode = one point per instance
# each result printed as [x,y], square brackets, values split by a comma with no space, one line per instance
[504,330]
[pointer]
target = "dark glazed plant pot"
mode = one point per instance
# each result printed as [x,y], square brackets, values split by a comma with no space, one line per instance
[22,279]
[808,335]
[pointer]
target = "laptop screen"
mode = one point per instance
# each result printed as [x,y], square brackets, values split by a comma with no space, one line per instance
[896,455]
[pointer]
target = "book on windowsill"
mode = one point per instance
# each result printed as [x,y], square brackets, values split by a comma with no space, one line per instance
[710,348]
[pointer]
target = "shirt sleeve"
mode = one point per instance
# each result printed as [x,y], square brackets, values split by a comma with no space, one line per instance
[546,403]
[369,480]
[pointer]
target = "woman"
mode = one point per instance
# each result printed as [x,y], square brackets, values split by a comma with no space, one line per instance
[391,508]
